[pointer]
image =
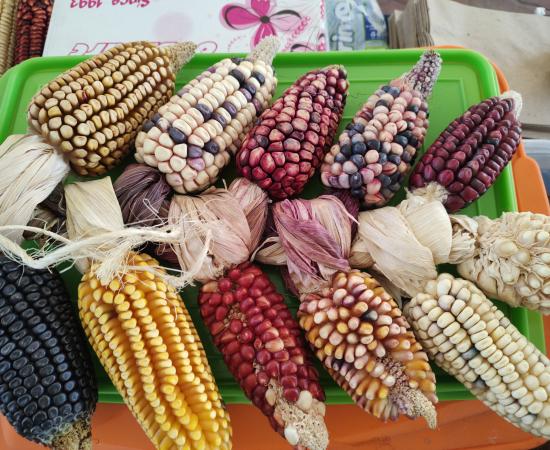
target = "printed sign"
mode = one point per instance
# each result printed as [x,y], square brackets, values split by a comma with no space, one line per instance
[79,27]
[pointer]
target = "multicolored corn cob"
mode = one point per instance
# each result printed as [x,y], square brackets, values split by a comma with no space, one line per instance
[48,389]
[146,341]
[193,136]
[375,152]
[287,145]
[357,331]
[32,21]
[93,112]
[470,154]
[468,337]
[262,345]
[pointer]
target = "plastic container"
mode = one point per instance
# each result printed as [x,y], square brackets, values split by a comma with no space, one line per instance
[468,423]
[466,78]
[539,150]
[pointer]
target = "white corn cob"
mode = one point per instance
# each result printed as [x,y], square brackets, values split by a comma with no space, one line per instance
[468,337]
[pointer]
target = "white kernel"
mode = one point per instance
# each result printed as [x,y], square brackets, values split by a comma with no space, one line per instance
[465,314]
[526,400]
[451,329]
[508,379]
[535,407]
[457,307]
[484,343]
[477,327]
[443,286]
[445,320]
[435,313]
[506,370]
[445,301]
[531,382]
[479,336]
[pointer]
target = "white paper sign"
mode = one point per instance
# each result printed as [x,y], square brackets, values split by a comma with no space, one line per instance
[80,27]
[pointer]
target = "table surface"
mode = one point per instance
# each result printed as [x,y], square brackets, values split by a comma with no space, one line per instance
[523,6]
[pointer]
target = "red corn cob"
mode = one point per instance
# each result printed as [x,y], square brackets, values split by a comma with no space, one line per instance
[282,152]
[262,345]
[473,150]
[33,17]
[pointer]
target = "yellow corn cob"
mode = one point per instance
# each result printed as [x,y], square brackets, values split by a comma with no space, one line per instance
[94,111]
[146,341]
[468,337]
[358,332]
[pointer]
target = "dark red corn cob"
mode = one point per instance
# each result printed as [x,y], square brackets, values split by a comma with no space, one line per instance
[471,153]
[33,17]
[375,152]
[282,152]
[263,347]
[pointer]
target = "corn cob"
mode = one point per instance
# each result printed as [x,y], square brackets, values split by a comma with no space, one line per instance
[375,152]
[32,20]
[145,339]
[473,150]
[262,346]
[93,112]
[510,260]
[8,10]
[357,331]
[286,146]
[468,337]
[47,385]
[193,137]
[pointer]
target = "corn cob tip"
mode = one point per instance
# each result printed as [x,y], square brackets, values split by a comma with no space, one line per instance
[266,50]
[180,54]
[414,404]
[424,74]
[303,421]
[77,436]
[516,98]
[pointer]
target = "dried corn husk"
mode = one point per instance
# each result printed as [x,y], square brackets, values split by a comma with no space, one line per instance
[233,218]
[507,257]
[98,234]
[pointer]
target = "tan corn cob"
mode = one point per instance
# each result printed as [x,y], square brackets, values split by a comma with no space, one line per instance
[194,135]
[357,331]
[94,111]
[146,341]
[8,10]
[468,337]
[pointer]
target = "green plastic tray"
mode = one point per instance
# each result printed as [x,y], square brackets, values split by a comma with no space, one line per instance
[467,78]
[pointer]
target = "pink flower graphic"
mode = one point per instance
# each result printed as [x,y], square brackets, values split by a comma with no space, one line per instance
[261,14]
[318,46]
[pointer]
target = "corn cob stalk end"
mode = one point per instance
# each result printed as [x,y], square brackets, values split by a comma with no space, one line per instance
[77,436]
[424,74]
[266,50]
[179,54]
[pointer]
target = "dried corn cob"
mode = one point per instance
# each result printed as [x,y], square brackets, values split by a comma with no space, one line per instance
[8,10]
[468,337]
[193,137]
[359,334]
[145,339]
[471,153]
[93,112]
[375,152]
[282,152]
[47,385]
[33,18]
[510,257]
[351,322]
[262,345]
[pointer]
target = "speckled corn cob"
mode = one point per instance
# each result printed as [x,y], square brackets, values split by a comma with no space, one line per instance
[146,341]
[359,334]
[93,112]
[33,18]
[468,337]
[471,153]
[193,137]
[262,345]
[375,152]
[48,389]
[287,145]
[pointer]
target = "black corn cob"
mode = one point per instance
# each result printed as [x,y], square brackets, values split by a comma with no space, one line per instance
[47,384]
